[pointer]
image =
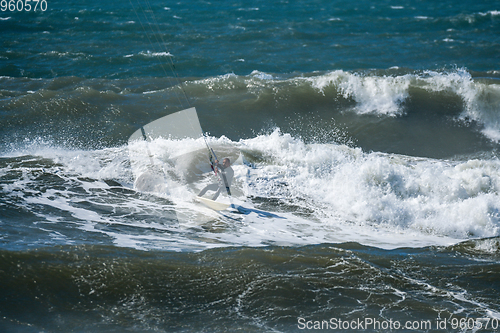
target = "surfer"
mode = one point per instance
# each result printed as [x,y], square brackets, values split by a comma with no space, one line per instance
[227,174]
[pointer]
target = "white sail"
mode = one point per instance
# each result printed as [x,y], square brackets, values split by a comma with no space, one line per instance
[179,125]
[151,165]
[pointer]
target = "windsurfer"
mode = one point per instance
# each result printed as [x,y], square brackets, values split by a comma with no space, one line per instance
[227,174]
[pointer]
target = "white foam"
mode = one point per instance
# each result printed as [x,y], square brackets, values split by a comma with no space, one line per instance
[249,9]
[386,95]
[383,192]
[156,54]
[491,12]
[261,75]
[490,246]
[373,94]
[315,193]
[480,100]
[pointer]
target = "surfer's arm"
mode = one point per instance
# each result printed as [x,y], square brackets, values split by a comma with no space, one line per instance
[218,166]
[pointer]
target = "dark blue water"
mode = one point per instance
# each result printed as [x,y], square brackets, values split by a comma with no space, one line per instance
[368,135]
[119,40]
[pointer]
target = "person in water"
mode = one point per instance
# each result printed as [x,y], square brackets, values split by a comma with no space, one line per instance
[226,172]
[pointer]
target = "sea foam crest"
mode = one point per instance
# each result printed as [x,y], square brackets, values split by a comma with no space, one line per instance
[373,94]
[459,200]
[386,95]
[481,101]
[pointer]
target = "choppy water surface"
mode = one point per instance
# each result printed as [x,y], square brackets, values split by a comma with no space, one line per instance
[368,136]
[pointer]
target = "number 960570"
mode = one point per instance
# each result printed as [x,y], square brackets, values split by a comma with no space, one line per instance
[23,5]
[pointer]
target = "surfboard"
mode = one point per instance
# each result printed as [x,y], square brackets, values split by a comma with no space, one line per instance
[215,205]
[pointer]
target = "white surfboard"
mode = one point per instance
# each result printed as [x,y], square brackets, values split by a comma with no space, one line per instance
[215,205]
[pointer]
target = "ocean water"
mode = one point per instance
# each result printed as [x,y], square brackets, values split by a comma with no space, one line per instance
[367,136]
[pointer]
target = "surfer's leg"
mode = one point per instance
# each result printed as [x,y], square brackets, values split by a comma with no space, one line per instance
[216,193]
[211,187]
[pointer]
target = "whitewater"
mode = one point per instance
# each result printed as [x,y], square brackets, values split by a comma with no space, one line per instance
[318,193]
